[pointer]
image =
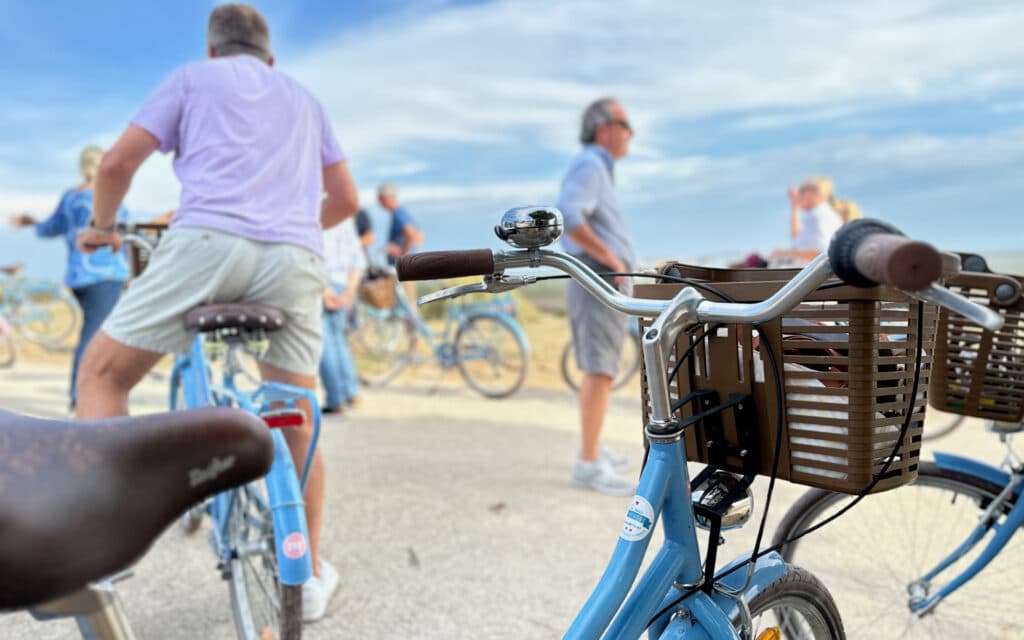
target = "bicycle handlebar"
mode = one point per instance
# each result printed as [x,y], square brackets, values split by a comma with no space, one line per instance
[436,265]
[865,253]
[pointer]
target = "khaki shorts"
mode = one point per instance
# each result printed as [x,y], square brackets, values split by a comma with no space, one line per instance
[193,266]
[598,332]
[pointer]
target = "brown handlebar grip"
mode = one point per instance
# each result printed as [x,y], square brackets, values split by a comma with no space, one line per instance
[436,265]
[867,252]
[898,262]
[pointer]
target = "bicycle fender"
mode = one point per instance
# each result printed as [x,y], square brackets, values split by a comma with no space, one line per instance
[711,617]
[291,534]
[504,319]
[976,468]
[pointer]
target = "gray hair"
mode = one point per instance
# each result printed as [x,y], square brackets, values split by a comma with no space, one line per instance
[238,28]
[89,161]
[387,190]
[599,112]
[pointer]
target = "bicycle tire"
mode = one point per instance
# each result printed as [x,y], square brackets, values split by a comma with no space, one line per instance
[8,347]
[262,607]
[951,502]
[381,347]
[503,352]
[938,424]
[46,315]
[800,606]
[629,365]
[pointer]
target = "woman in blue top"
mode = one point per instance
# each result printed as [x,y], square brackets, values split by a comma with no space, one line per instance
[97,278]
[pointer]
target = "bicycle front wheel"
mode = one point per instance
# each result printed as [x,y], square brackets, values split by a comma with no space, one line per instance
[799,607]
[491,356]
[264,609]
[873,553]
[47,315]
[629,364]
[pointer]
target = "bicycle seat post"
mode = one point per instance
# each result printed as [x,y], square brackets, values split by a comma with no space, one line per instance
[97,609]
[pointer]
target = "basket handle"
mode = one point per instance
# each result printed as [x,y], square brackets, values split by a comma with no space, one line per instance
[866,253]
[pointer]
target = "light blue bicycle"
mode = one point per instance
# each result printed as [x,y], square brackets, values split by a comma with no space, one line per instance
[680,595]
[259,532]
[484,341]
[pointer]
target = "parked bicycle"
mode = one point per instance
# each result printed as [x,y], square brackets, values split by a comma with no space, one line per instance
[629,361]
[41,311]
[483,341]
[679,596]
[945,551]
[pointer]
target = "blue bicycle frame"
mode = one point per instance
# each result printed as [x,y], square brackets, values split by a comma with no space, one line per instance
[284,488]
[664,493]
[1013,520]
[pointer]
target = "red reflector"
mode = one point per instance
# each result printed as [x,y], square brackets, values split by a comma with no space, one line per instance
[279,418]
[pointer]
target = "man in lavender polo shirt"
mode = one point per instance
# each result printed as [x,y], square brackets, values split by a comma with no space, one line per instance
[254,153]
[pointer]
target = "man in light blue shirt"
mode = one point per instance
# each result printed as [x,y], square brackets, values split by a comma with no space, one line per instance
[596,233]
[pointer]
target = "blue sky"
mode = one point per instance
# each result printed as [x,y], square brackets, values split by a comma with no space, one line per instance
[913,108]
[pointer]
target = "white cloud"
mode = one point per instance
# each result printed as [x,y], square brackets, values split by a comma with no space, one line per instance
[521,71]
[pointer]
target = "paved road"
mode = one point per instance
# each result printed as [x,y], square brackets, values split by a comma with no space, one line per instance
[448,516]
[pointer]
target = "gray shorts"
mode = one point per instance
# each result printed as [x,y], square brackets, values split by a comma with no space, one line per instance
[193,266]
[598,332]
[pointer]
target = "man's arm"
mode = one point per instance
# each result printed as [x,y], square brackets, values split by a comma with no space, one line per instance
[342,199]
[411,237]
[590,242]
[116,171]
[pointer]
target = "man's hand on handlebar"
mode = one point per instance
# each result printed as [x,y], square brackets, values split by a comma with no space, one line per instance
[90,240]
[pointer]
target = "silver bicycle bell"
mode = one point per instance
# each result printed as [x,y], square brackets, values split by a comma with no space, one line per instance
[714,490]
[530,227]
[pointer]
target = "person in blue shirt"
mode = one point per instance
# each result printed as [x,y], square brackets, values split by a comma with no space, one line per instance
[96,278]
[404,235]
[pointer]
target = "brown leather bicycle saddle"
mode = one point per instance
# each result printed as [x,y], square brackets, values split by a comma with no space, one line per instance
[81,500]
[237,315]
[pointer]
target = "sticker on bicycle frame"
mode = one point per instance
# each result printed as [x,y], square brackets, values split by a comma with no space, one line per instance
[639,520]
[294,546]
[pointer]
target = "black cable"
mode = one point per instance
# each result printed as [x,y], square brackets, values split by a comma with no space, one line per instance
[874,482]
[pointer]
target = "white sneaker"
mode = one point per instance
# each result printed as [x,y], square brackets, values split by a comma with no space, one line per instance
[617,460]
[598,475]
[317,592]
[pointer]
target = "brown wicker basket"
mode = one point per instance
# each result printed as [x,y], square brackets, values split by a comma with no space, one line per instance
[847,356]
[138,258]
[977,372]
[379,292]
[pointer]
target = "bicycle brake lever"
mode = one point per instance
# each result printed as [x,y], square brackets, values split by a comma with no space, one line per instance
[491,284]
[955,302]
[453,292]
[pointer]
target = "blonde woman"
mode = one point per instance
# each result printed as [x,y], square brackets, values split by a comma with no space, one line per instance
[96,279]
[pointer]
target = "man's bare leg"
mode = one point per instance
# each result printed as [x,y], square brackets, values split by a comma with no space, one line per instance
[108,372]
[595,390]
[298,443]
